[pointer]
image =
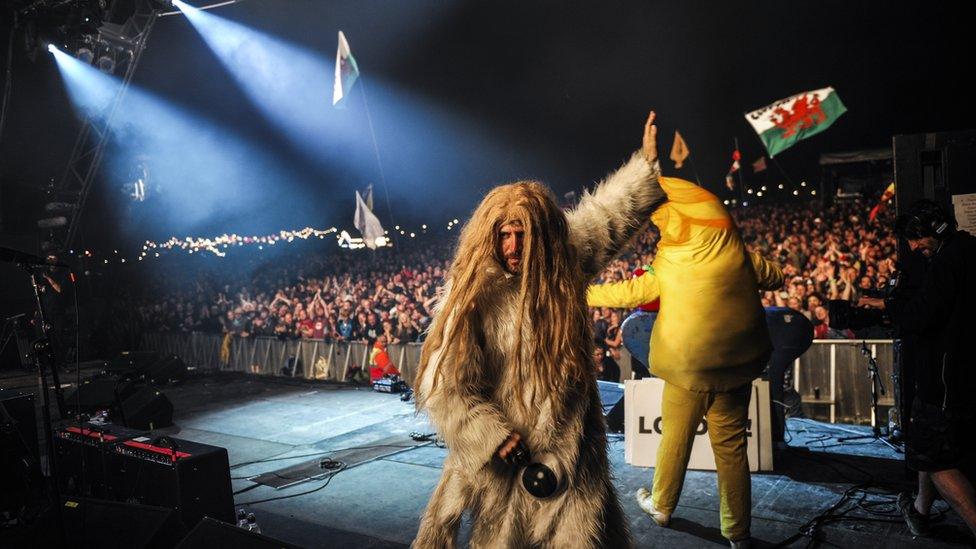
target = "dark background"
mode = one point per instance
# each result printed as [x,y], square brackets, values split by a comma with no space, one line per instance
[467,95]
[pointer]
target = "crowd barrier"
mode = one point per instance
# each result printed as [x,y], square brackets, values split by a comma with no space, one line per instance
[831,377]
[300,358]
[834,382]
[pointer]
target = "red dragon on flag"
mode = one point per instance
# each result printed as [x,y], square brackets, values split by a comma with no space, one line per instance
[805,113]
[783,123]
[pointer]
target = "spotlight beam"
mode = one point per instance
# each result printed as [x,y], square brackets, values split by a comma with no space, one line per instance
[202,8]
[289,84]
[89,147]
[199,170]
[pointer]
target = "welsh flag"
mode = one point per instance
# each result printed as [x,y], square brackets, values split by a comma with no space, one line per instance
[794,118]
[346,70]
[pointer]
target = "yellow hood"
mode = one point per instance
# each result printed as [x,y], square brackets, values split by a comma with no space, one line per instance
[710,334]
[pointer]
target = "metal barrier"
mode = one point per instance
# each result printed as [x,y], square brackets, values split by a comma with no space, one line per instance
[834,384]
[831,377]
[301,358]
[314,358]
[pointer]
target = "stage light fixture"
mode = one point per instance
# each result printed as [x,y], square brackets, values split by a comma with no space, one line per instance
[52,48]
[106,64]
[85,55]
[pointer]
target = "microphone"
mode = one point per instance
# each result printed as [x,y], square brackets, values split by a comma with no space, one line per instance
[538,478]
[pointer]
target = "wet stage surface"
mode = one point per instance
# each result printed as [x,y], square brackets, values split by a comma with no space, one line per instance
[277,432]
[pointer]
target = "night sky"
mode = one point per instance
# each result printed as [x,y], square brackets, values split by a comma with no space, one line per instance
[467,95]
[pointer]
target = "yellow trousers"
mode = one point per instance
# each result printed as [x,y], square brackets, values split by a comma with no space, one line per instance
[726,415]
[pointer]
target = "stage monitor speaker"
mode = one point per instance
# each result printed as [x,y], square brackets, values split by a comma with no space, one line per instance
[94,523]
[147,408]
[137,362]
[97,393]
[167,369]
[210,533]
[612,399]
[19,464]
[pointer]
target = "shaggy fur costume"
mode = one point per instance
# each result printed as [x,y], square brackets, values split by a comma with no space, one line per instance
[476,398]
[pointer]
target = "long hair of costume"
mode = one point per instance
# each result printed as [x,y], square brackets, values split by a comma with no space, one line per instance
[511,353]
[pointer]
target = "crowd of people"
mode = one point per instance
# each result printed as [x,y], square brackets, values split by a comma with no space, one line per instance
[329,294]
[343,295]
[827,254]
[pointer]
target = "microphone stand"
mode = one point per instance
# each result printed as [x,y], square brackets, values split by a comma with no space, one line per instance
[876,387]
[41,355]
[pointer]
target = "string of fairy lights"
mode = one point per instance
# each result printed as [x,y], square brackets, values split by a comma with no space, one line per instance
[763,190]
[219,246]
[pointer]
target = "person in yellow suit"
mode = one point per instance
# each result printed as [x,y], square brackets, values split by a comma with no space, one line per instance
[708,343]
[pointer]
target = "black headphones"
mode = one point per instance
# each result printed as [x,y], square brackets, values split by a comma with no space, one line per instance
[925,218]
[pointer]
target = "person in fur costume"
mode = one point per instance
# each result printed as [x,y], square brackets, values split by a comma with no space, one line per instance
[506,366]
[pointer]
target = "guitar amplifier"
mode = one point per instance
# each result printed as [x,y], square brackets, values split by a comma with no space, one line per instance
[82,451]
[130,466]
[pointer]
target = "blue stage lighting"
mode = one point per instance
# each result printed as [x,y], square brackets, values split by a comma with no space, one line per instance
[200,171]
[418,139]
[292,86]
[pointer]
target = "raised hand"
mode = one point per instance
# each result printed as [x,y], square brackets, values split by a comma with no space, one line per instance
[650,138]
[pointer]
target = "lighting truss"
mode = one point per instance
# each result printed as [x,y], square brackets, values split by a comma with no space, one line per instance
[125,42]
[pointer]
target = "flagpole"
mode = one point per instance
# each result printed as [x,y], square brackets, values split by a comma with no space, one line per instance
[677,137]
[694,170]
[735,147]
[376,151]
[773,158]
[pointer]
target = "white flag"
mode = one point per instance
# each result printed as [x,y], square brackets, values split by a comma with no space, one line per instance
[368,224]
[346,70]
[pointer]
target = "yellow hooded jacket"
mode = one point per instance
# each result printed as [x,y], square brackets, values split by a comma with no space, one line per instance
[710,334]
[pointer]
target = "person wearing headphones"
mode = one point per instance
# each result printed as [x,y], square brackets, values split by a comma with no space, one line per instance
[939,443]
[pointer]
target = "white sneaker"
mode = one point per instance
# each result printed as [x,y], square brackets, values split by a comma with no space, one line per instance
[744,543]
[647,505]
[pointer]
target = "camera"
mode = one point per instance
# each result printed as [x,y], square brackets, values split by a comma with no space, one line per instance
[844,315]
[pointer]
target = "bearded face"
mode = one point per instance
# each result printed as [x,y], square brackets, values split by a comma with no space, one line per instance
[511,238]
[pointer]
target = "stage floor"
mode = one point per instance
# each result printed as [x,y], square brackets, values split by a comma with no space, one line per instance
[270,424]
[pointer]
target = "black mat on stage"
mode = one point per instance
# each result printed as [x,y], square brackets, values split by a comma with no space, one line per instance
[349,457]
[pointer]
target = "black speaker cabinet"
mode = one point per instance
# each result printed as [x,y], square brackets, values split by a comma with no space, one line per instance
[136,360]
[210,533]
[19,465]
[100,524]
[98,393]
[167,369]
[147,408]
